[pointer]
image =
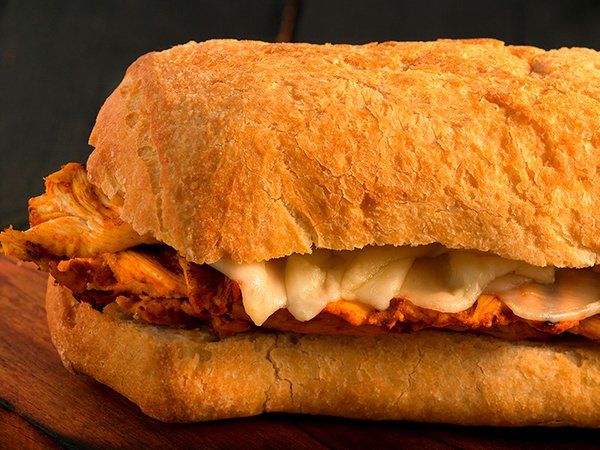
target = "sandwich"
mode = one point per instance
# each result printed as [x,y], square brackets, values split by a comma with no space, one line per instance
[404,231]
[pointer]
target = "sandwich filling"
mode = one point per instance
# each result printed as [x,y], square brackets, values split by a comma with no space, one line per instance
[78,236]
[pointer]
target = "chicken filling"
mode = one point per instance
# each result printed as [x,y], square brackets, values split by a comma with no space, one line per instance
[77,235]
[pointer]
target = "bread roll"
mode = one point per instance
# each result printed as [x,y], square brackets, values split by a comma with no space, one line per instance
[432,376]
[253,151]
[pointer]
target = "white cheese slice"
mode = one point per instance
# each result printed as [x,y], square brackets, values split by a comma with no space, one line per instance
[370,261]
[375,275]
[384,286]
[262,285]
[544,275]
[574,296]
[372,276]
[452,282]
[428,276]
[310,285]
[504,283]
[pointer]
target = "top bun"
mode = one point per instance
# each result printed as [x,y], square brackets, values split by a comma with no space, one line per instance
[252,151]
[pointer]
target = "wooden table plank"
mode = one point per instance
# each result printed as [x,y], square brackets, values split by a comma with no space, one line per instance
[343,433]
[74,410]
[16,432]
[475,438]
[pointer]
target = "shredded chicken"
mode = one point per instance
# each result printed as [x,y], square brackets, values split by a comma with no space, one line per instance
[71,219]
[157,286]
[77,235]
[153,272]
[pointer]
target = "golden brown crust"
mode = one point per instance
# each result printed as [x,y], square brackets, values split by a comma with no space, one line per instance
[184,376]
[173,375]
[467,143]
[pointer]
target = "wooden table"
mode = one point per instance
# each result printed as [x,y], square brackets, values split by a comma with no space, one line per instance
[43,405]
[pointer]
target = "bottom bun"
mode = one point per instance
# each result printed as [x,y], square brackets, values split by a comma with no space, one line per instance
[430,376]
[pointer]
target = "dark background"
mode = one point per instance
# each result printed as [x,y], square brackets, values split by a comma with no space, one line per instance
[60,59]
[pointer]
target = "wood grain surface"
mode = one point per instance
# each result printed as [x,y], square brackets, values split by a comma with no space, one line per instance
[44,406]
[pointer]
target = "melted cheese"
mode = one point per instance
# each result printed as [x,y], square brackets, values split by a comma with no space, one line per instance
[452,282]
[262,285]
[372,276]
[430,276]
[574,296]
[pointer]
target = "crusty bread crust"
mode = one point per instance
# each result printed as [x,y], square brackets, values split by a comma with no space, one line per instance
[184,376]
[472,144]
